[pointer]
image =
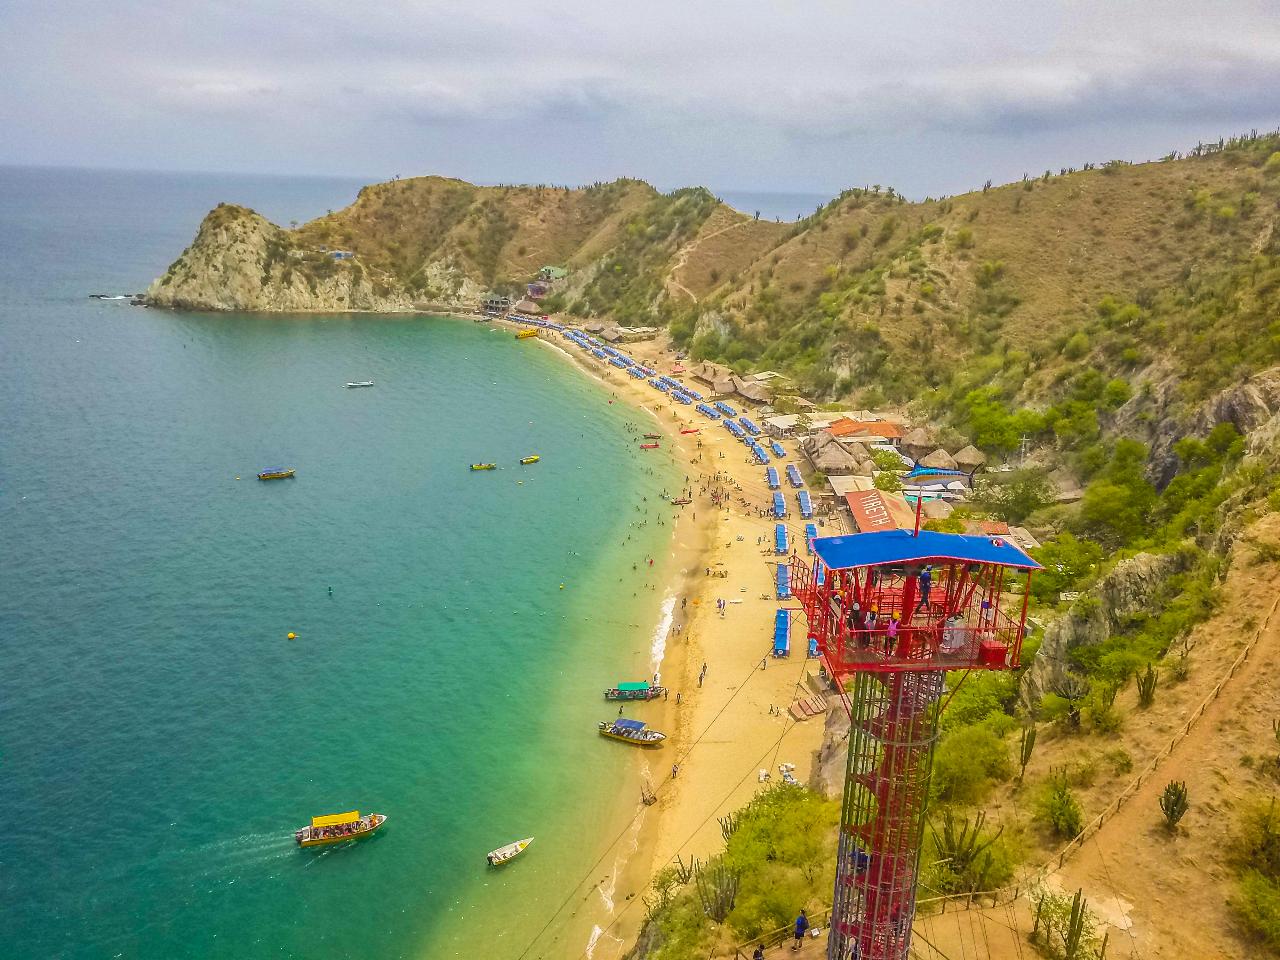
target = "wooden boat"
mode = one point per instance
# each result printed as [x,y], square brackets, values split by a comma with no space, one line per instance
[508,853]
[648,446]
[338,828]
[641,690]
[653,436]
[526,334]
[533,459]
[277,474]
[682,501]
[359,383]
[694,430]
[484,466]
[633,732]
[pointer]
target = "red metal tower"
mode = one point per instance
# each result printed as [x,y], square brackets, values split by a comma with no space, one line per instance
[892,612]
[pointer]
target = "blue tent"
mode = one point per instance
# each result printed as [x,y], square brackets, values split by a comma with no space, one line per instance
[771,477]
[750,427]
[806,507]
[724,408]
[793,475]
[778,451]
[779,506]
[782,633]
[780,539]
[783,581]
[810,535]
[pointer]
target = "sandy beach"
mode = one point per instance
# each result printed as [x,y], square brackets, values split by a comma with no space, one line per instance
[731,720]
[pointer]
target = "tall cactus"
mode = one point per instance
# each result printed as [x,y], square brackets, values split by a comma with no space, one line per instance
[1025,748]
[1147,687]
[1074,934]
[1174,803]
[717,890]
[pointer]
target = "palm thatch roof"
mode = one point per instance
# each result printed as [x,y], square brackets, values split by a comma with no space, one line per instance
[939,460]
[970,457]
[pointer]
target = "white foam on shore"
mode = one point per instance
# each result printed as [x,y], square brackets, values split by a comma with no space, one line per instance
[658,648]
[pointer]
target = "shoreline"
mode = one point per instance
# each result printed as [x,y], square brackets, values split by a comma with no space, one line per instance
[719,730]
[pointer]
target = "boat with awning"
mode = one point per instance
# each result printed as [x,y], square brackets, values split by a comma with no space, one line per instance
[638,690]
[338,828]
[634,732]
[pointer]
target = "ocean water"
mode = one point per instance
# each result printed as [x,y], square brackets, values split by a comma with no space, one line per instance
[160,738]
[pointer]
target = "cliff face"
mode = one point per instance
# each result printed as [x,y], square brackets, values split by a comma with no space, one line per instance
[241,261]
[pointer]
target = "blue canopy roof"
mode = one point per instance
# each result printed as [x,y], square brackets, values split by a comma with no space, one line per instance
[624,724]
[900,546]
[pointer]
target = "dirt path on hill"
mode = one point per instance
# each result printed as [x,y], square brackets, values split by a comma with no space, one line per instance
[682,257]
[1166,895]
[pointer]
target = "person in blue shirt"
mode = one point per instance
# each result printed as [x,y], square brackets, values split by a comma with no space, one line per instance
[802,924]
[926,584]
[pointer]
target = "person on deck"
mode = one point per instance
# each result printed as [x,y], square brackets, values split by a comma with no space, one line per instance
[802,924]
[926,584]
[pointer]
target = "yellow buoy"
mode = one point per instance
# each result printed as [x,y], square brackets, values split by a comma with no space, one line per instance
[293,636]
[562,586]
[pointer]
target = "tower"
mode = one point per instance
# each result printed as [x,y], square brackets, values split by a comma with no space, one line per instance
[892,612]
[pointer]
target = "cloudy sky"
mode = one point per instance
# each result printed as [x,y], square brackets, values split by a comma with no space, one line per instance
[808,95]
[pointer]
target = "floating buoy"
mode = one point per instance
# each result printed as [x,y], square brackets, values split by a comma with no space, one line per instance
[562,586]
[293,636]
[237,478]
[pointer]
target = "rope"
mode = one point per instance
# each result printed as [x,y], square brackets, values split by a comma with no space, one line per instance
[1128,923]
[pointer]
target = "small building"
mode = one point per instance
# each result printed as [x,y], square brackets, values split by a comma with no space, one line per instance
[752,390]
[529,307]
[877,510]
[552,274]
[711,373]
[496,306]
[851,483]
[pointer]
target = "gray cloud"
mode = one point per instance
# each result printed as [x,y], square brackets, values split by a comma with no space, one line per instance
[930,96]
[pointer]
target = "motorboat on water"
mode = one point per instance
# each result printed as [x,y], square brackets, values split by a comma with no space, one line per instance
[530,459]
[338,828]
[634,732]
[506,854]
[526,334]
[484,466]
[280,473]
[359,383]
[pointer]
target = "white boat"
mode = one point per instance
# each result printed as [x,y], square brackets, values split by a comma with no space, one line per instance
[360,383]
[505,854]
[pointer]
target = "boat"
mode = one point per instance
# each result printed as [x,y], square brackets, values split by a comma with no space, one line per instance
[533,459]
[484,466]
[338,828]
[682,501]
[641,690]
[359,383]
[694,430]
[648,446]
[508,853]
[633,732]
[653,436]
[279,473]
[526,334]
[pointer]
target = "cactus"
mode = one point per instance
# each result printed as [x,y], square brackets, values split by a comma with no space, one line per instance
[728,825]
[1147,686]
[685,872]
[965,849]
[717,890]
[1027,745]
[1174,803]
[1073,937]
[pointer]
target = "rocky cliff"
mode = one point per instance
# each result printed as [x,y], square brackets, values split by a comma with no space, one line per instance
[241,261]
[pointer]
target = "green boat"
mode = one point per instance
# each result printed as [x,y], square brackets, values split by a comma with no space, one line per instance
[635,691]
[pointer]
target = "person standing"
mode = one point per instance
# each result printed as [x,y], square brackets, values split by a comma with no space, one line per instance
[926,584]
[802,924]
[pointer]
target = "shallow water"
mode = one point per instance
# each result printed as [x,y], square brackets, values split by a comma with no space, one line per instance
[159,736]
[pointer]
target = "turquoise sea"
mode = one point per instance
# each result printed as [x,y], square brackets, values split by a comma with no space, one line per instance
[160,738]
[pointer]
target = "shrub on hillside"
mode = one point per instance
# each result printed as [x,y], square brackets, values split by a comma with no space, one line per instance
[1058,809]
[968,763]
[1257,903]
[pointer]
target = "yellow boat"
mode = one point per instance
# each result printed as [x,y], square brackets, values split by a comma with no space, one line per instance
[280,474]
[508,853]
[533,459]
[338,828]
[526,334]
[484,466]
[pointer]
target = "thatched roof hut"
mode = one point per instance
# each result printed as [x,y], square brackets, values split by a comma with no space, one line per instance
[939,460]
[917,443]
[970,458]
[832,459]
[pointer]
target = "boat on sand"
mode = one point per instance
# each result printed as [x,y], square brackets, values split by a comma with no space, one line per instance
[641,690]
[338,828]
[648,446]
[634,732]
[508,853]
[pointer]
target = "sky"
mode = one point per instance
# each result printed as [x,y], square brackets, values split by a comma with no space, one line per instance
[932,98]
